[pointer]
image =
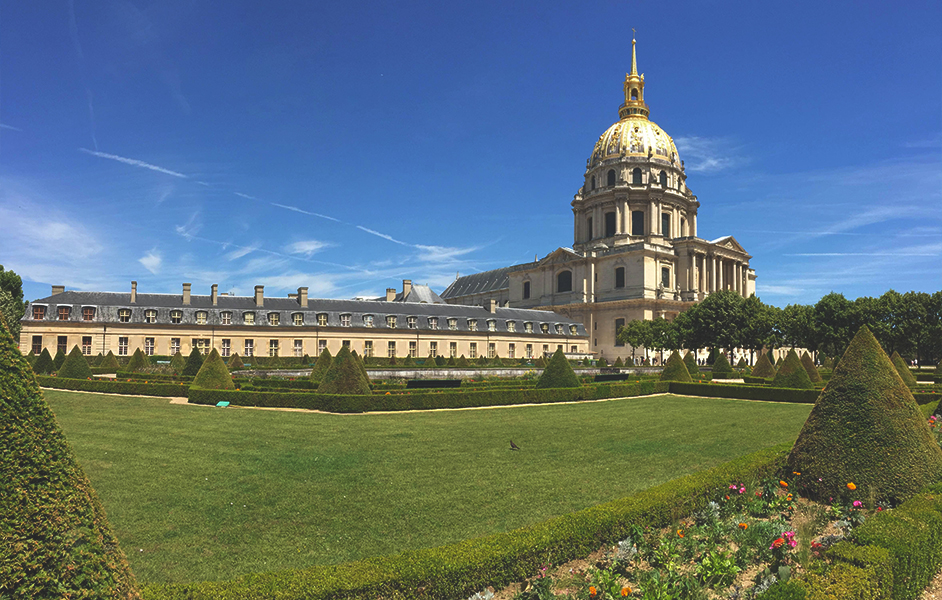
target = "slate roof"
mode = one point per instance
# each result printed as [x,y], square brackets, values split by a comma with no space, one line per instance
[108,304]
[420,293]
[483,282]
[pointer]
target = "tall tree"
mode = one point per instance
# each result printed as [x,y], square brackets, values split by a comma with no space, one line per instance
[636,334]
[833,322]
[12,304]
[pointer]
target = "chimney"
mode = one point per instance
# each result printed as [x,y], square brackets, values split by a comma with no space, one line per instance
[133,292]
[57,289]
[186,294]
[214,294]
[491,306]
[390,294]
[406,287]
[260,295]
[302,297]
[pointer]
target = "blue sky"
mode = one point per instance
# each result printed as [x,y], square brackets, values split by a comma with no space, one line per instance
[347,146]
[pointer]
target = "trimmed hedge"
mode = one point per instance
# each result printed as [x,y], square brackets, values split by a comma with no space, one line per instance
[458,570]
[812,370]
[675,369]
[721,367]
[113,386]
[422,400]
[75,366]
[138,361]
[44,363]
[903,369]
[558,373]
[792,373]
[745,392]
[109,364]
[764,367]
[321,366]
[213,374]
[193,363]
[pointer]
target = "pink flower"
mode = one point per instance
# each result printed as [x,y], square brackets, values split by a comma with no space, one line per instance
[732,486]
[742,490]
[857,503]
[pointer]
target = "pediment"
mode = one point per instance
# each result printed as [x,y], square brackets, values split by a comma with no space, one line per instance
[730,243]
[559,256]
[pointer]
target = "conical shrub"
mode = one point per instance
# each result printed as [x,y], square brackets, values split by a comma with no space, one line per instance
[213,374]
[345,376]
[675,369]
[903,369]
[601,362]
[808,364]
[138,361]
[362,364]
[867,430]
[193,363]
[321,366]
[558,373]
[110,363]
[721,367]
[646,362]
[440,361]
[44,364]
[235,363]
[55,540]
[274,362]
[407,361]
[177,362]
[792,374]
[96,361]
[764,367]
[463,362]
[692,367]
[618,362]
[778,363]
[59,358]
[31,358]
[451,362]
[742,363]
[540,362]
[75,366]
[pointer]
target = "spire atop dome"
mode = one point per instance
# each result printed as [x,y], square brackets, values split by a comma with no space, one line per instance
[634,105]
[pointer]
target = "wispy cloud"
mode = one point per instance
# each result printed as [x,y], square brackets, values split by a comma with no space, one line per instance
[80,56]
[133,162]
[152,261]
[382,235]
[442,254]
[707,155]
[241,251]
[189,229]
[5,126]
[302,211]
[241,195]
[307,247]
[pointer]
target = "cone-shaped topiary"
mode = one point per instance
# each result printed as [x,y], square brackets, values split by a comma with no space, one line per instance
[646,362]
[44,363]
[177,362]
[618,362]
[75,366]
[792,374]
[480,361]
[778,363]
[866,430]
[451,362]
[345,376]
[496,361]
[462,362]
[235,363]
[586,362]
[193,363]
[138,361]
[721,367]
[55,541]
[902,369]
[96,361]
[601,362]
[742,363]
[321,366]
[440,361]
[408,361]
[812,370]
[110,362]
[764,367]
[31,358]
[59,358]
[274,362]
[558,373]
[305,360]
[692,367]
[362,363]
[675,369]
[393,361]
[540,362]
[213,374]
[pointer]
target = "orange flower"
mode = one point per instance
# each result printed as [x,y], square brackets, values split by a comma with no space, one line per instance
[796,472]
[680,533]
[592,590]
[625,591]
[744,526]
[783,484]
[851,486]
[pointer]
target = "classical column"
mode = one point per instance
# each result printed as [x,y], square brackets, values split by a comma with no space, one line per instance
[618,213]
[693,224]
[655,212]
[721,275]
[691,282]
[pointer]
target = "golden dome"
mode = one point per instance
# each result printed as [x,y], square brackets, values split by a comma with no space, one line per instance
[634,136]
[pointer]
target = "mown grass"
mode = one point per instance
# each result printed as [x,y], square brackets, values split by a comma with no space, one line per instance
[199,493]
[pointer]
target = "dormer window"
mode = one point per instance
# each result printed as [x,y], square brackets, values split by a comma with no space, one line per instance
[322,319]
[124,315]
[65,312]
[249,319]
[433,322]
[511,326]
[150,316]
[176,316]
[297,319]
[472,324]
[367,320]
[573,330]
[544,327]
[559,329]
[492,325]
[528,327]
[391,321]
[345,320]
[201,317]
[413,322]
[274,318]
[39,312]
[452,324]
[226,317]
[88,313]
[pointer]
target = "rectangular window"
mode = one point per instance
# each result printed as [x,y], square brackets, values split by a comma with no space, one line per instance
[64,313]
[62,344]
[559,329]
[86,344]
[322,320]
[433,322]
[391,349]
[620,277]
[433,348]
[367,348]
[345,321]
[511,350]
[298,348]
[528,327]
[150,316]
[201,344]
[174,345]
[666,225]
[637,222]
[492,325]
[529,350]
[473,350]
[149,346]
[37,344]
[491,350]
[413,322]
[472,324]
[526,290]
[367,320]
[298,319]
[176,316]
[609,224]
[544,327]
[249,348]
[122,346]
[453,324]
[453,349]
[545,349]
[413,349]
[321,346]
[274,318]
[226,318]
[666,277]
[201,317]
[124,315]
[511,326]
[39,313]
[226,348]
[345,343]
[573,349]
[573,330]
[272,347]
[391,321]
[248,318]
[619,323]
[88,313]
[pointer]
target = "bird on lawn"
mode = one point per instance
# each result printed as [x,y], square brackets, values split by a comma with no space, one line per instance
[514,446]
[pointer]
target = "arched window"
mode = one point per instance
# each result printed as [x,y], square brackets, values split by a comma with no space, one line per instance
[609,224]
[593,182]
[564,282]
[620,277]
[611,177]
[526,290]
[634,93]
[636,176]
[662,179]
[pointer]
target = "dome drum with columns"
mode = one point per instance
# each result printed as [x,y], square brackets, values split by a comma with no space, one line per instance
[636,253]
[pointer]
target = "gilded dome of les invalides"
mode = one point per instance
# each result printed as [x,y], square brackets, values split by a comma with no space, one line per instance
[634,135]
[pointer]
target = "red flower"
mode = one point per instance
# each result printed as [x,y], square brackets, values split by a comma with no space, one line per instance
[778,543]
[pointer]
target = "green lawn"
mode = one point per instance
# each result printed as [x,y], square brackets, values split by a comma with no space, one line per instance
[198,493]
